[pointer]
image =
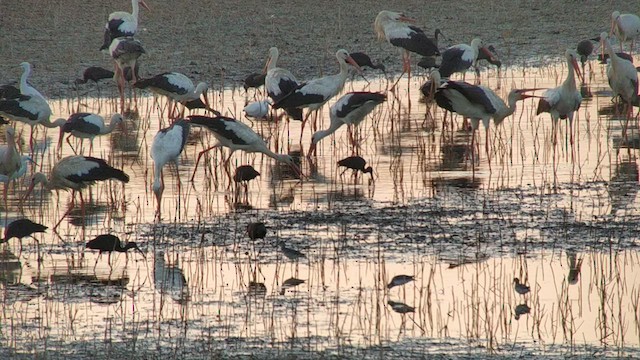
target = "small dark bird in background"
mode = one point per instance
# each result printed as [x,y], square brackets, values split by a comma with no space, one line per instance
[22,228]
[256,230]
[363,60]
[95,74]
[356,163]
[108,243]
[254,80]
[399,280]
[291,254]
[289,283]
[400,308]
[602,58]
[585,49]
[520,288]
[9,92]
[245,173]
[490,54]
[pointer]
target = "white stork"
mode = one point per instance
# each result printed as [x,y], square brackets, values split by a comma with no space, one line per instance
[236,136]
[626,27]
[76,173]
[563,101]
[122,23]
[31,110]
[25,87]
[257,109]
[317,92]
[459,58]
[177,87]
[88,126]
[279,82]
[10,160]
[166,147]
[476,102]
[394,28]
[350,109]
[125,51]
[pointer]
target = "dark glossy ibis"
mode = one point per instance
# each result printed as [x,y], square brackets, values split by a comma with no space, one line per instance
[400,308]
[363,60]
[256,230]
[400,280]
[254,80]
[109,243]
[22,228]
[520,288]
[245,173]
[356,163]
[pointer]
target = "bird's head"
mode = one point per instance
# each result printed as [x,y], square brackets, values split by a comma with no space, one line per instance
[343,54]
[9,133]
[37,178]
[572,57]
[118,120]
[271,59]
[26,67]
[133,245]
[287,159]
[158,189]
[477,43]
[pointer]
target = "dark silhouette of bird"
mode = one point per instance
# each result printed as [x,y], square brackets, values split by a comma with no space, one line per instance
[109,243]
[399,280]
[520,288]
[256,230]
[22,228]
[9,91]
[289,283]
[490,54]
[291,254]
[356,163]
[95,74]
[363,60]
[254,80]
[245,173]
[603,58]
[401,308]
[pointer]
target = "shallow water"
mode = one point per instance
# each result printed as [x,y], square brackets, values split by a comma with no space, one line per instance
[561,218]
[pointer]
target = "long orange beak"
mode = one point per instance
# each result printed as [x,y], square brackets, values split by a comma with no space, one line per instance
[60,138]
[407,19]
[29,191]
[266,65]
[354,64]
[577,69]
[523,92]
[144,5]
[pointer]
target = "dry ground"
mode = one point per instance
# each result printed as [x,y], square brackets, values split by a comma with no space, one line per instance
[222,41]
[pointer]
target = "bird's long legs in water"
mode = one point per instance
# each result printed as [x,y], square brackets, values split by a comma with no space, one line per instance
[200,155]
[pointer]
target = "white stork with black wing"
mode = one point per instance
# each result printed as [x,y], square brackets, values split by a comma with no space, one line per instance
[459,58]
[280,82]
[88,126]
[125,51]
[177,87]
[122,23]
[166,147]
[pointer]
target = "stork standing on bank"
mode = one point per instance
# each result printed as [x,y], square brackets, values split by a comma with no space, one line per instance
[476,102]
[88,126]
[350,109]
[394,28]
[626,27]
[235,135]
[178,88]
[122,23]
[167,146]
[317,92]
[76,173]
[280,82]
[563,101]
[125,51]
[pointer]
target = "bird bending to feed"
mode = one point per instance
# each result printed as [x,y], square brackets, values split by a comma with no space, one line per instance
[317,92]
[178,88]
[291,254]
[623,78]
[256,230]
[363,60]
[245,173]
[88,126]
[563,101]
[166,147]
[290,283]
[76,173]
[254,80]
[235,135]
[626,27]
[257,109]
[125,51]
[459,58]
[585,49]
[400,280]
[476,102]
[350,109]
[122,23]
[22,228]
[280,82]
[108,243]
[95,74]
[355,163]
[520,287]
[394,28]
[400,308]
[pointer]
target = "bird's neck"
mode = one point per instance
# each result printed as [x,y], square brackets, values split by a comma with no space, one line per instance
[570,82]
[321,134]
[135,8]
[108,129]
[58,123]
[199,89]
[24,85]
[158,184]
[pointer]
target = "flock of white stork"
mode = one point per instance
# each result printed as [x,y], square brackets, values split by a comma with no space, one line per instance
[472,101]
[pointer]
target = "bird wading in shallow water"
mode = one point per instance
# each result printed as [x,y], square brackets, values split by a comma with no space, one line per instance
[121,23]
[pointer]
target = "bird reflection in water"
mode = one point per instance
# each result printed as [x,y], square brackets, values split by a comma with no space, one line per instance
[11,287]
[575,266]
[520,310]
[170,280]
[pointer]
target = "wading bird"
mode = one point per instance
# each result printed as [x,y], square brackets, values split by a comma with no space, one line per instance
[291,254]
[125,51]
[563,101]
[585,49]
[280,82]
[170,280]
[315,93]
[520,287]
[623,78]
[109,243]
[400,280]
[256,230]
[245,173]
[394,28]
[350,109]
[95,74]
[254,80]
[166,147]
[363,60]
[355,163]
[459,58]
[10,160]
[88,126]
[122,23]
[76,173]
[476,102]
[235,135]
[178,88]
[626,27]
[22,228]
[257,109]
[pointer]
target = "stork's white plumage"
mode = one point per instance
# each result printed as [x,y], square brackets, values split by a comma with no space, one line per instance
[235,135]
[166,147]
[10,160]
[394,28]
[280,82]
[170,280]
[476,102]
[76,173]
[88,126]
[25,87]
[31,110]
[350,109]
[257,109]
[317,92]
[563,101]
[122,23]
[626,27]
[125,51]
[177,87]
[459,58]
[622,75]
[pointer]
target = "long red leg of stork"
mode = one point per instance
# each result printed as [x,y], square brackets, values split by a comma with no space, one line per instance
[198,160]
